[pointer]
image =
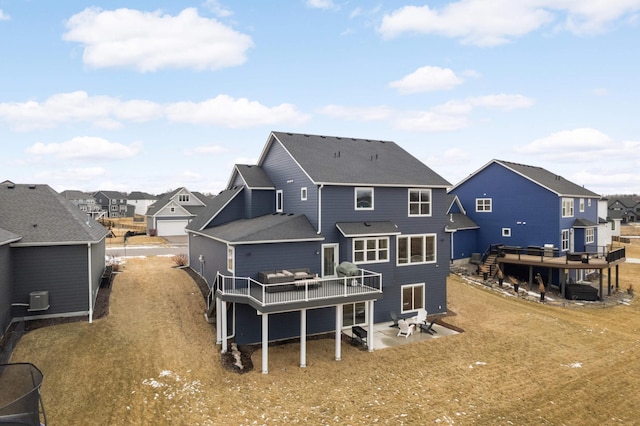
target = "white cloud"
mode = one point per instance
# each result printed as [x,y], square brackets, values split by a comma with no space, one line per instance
[357,113]
[4,16]
[571,145]
[102,111]
[226,111]
[427,79]
[86,147]
[500,101]
[148,41]
[218,9]
[320,4]
[495,22]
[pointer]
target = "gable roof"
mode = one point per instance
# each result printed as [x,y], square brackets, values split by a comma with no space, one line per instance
[167,198]
[71,194]
[112,195]
[254,177]
[41,216]
[350,161]
[460,221]
[550,181]
[138,195]
[271,228]
[216,205]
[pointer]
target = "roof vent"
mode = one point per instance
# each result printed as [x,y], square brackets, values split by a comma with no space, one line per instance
[32,186]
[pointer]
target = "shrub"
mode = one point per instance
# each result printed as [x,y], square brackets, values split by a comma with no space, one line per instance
[153,232]
[180,259]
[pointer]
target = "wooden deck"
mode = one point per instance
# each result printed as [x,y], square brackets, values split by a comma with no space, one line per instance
[567,261]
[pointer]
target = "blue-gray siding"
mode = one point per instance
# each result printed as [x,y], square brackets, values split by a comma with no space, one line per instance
[5,288]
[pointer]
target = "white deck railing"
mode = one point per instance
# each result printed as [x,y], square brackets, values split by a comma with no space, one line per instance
[307,290]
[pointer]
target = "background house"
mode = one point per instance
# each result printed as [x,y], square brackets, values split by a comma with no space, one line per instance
[85,202]
[311,203]
[52,255]
[114,204]
[141,201]
[173,211]
[625,208]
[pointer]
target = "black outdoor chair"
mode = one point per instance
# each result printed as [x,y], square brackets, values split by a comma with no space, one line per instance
[395,319]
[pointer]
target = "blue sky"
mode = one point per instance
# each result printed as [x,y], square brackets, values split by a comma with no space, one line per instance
[155,95]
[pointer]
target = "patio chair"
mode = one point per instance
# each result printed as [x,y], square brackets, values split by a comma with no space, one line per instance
[421,318]
[406,329]
[394,317]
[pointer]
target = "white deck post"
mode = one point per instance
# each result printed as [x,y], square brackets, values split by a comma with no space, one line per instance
[265,343]
[303,338]
[338,330]
[370,336]
[218,321]
[223,325]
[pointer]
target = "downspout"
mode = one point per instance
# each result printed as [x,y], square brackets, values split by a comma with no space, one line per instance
[320,208]
[90,286]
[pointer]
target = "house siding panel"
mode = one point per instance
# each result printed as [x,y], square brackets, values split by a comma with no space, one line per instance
[68,287]
[98,252]
[259,202]
[233,211]
[214,254]
[287,176]
[5,288]
[529,210]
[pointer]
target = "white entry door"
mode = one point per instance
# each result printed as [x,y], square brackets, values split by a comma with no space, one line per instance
[329,260]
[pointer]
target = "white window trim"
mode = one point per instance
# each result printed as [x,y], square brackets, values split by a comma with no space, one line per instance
[589,236]
[303,193]
[355,197]
[279,201]
[506,232]
[377,250]
[413,308]
[424,247]
[569,207]
[483,205]
[562,240]
[420,203]
[231,258]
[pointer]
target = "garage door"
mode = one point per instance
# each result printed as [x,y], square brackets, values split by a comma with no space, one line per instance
[171,227]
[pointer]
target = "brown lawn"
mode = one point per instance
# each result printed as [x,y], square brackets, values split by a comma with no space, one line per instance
[153,360]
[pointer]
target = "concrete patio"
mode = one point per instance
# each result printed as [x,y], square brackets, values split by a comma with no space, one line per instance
[386,336]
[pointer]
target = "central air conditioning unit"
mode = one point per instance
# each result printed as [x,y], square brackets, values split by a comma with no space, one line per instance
[38,301]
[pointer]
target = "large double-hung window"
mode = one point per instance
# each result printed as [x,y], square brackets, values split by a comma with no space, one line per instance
[414,249]
[419,202]
[567,207]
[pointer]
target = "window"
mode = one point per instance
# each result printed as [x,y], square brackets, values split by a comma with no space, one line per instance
[370,250]
[416,249]
[613,225]
[183,198]
[279,206]
[354,314]
[419,202]
[114,208]
[581,204]
[589,202]
[363,198]
[231,254]
[172,209]
[412,297]
[483,204]
[589,235]
[567,207]
[564,237]
[506,232]
[114,201]
[303,194]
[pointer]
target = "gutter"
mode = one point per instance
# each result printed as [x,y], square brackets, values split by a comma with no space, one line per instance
[320,208]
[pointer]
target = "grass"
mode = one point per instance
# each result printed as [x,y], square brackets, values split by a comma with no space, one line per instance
[153,360]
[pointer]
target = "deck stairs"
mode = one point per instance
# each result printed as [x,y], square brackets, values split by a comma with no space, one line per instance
[489,265]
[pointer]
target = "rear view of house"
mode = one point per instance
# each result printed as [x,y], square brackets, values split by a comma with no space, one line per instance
[322,233]
[52,255]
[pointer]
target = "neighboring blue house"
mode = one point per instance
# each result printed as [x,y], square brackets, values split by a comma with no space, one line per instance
[323,233]
[463,231]
[52,255]
[533,211]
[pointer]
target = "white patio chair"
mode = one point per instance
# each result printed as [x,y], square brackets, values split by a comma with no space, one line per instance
[406,329]
[421,318]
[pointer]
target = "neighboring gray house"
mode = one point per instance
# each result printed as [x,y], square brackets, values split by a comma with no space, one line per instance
[173,211]
[626,208]
[84,201]
[51,259]
[141,201]
[322,234]
[114,204]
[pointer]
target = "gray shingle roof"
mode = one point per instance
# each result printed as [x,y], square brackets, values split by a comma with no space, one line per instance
[254,176]
[138,195]
[583,223]
[552,181]
[350,161]
[71,194]
[213,208]
[166,198]
[7,237]
[355,229]
[272,228]
[459,221]
[40,215]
